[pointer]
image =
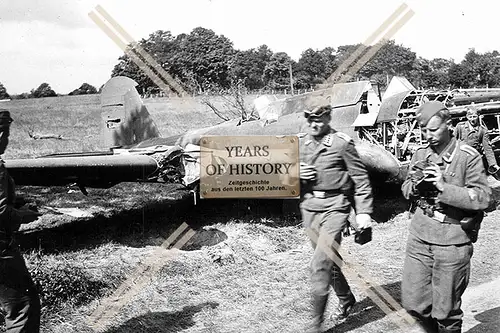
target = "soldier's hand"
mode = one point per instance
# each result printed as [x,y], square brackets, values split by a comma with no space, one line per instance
[307,172]
[434,176]
[363,221]
[493,169]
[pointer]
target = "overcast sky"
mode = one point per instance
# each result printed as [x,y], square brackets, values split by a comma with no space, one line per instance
[55,41]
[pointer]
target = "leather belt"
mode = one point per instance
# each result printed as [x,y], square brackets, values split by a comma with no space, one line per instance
[431,211]
[325,194]
[443,218]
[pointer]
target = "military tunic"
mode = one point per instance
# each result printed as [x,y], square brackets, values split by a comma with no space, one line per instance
[341,181]
[437,264]
[478,138]
[18,294]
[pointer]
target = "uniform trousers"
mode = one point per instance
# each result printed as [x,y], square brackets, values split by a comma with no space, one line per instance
[18,295]
[434,280]
[328,224]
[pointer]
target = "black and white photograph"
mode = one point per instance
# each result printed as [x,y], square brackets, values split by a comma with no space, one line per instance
[216,166]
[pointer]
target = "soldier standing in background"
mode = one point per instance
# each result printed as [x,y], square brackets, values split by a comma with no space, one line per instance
[448,182]
[332,176]
[475,135]
[18,295]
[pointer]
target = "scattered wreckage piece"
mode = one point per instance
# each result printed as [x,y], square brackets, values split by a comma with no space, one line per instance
[36,136]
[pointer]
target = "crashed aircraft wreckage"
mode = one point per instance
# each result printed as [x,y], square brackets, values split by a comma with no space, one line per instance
[385,132]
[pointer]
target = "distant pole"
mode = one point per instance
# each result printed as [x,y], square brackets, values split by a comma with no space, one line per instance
[291,77]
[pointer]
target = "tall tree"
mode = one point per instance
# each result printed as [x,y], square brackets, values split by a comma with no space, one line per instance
[314,67]
[460,76]
[431,73]
[488,69]
[277,71]
[476,70]
[43,90]
[200,59]
[248,67]
[310,69]
[159,45]
[204,59]
[391,59]
[85,89]
[330,57]
[470,68]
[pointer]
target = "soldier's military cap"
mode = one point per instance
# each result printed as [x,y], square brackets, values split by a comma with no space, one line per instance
[5,118]
[471,109]
[428,110]
[318,111]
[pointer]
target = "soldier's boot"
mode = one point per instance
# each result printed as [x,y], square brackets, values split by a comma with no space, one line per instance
[449,330]
[345,307]
[319,306]
[344,293]
[455,327]
[429,324]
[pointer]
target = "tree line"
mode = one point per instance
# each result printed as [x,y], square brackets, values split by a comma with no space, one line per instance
[45,90]
[204,62]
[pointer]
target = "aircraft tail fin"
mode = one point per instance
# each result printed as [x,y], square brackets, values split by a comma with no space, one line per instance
[125,120]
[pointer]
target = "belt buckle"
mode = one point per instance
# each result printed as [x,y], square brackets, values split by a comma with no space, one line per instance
[438,216]
[319,194]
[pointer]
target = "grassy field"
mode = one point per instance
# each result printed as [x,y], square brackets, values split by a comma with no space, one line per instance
[78,120]
[244,270]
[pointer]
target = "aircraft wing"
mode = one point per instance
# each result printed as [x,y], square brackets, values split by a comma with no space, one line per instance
[165,164]
[136,152]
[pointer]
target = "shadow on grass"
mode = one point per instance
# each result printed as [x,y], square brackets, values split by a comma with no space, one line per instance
[490,321]
[138,226]
[163,322]
[365,311]
[150,223]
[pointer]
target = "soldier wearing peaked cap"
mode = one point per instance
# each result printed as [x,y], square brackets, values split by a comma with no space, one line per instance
[332,177]
[448,183]
[18,295]
[476,136]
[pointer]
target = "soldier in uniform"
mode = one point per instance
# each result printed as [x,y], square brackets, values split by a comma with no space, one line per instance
[474,134]
[333,179]
[448,182]
[18,295]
